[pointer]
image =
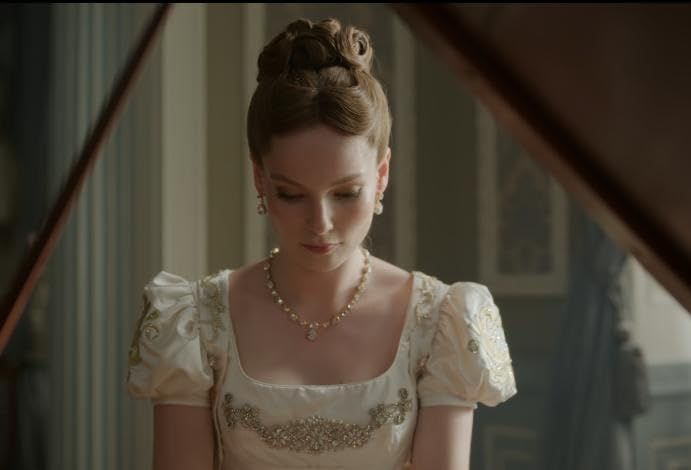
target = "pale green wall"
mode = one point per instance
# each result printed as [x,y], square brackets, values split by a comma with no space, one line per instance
[225,132]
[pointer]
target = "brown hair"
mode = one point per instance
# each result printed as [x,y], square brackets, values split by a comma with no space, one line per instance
[317,73]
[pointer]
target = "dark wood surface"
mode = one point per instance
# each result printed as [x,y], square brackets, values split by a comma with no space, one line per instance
[600,95]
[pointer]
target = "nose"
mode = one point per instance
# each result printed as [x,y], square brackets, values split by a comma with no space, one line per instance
[319,219]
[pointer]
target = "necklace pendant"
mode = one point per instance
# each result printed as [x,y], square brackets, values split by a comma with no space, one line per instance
[312,329]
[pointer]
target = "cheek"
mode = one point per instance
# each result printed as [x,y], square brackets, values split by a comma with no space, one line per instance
[355,214]
[283,216]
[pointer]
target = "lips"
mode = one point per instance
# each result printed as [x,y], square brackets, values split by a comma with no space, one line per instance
[321,248]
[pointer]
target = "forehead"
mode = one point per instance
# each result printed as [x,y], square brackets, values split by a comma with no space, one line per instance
[319,151]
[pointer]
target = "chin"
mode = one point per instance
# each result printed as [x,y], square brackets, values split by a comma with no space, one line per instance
[325,262]
[322,262]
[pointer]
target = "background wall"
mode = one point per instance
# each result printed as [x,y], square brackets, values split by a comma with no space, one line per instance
[111,244]
[662,328]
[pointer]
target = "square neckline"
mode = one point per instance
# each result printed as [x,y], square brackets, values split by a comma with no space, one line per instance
[403,338]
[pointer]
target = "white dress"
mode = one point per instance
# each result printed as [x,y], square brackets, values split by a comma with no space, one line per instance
[452,352]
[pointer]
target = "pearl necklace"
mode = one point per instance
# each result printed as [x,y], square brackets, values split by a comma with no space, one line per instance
[311,328]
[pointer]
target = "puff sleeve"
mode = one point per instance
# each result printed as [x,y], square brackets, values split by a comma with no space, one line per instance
[468,358]
[167,360]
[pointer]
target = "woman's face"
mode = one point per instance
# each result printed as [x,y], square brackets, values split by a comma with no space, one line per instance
[320,189]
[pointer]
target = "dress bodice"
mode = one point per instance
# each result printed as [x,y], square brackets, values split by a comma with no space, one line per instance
[452,351]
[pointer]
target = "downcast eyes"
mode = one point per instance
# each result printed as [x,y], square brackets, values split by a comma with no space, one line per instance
[342,195]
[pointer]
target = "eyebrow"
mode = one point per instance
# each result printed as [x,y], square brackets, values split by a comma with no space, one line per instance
[285,179]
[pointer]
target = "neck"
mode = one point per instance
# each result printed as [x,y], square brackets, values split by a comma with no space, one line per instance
[316,295]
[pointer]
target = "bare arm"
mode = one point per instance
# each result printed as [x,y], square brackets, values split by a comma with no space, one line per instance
[442,438]
[183,438]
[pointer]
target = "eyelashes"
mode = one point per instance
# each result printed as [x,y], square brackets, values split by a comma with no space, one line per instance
[288,197]
[349,194]
[340,195]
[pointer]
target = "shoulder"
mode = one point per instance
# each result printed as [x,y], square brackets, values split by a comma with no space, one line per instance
[194,305]
[247,279]
[167,290]
[432,292]
[439,304]
[468,296]
[388,272]
[428,294]
[388,279]
[457,295]
[168,286]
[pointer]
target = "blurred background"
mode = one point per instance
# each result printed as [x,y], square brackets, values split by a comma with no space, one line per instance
[602,352]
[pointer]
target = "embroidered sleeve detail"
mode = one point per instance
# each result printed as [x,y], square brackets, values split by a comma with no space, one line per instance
[168,359]
[147,327]
[469,359]
[211,297]
[425,301]
[488,339]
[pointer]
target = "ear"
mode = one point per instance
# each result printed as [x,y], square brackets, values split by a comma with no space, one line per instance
[258,173]
[383,171]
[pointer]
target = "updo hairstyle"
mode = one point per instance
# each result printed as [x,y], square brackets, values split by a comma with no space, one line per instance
[317,73]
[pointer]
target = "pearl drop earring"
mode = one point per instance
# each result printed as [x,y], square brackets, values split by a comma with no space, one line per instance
[378,206]
[261,206]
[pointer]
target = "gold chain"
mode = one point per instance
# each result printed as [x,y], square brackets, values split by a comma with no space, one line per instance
[311,328]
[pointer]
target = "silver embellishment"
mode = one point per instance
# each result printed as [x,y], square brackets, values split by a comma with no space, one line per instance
[421,368]
[424,305]
[151,332]
[314,434]
[145,327]
[488,333]
[211,297]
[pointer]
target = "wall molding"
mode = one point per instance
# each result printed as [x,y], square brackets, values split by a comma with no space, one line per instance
[492,224]
[670,379]
[665,453]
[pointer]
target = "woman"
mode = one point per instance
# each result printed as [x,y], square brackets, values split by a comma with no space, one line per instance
[320,356]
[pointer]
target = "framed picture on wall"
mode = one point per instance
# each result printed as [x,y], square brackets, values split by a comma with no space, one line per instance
[522,217]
